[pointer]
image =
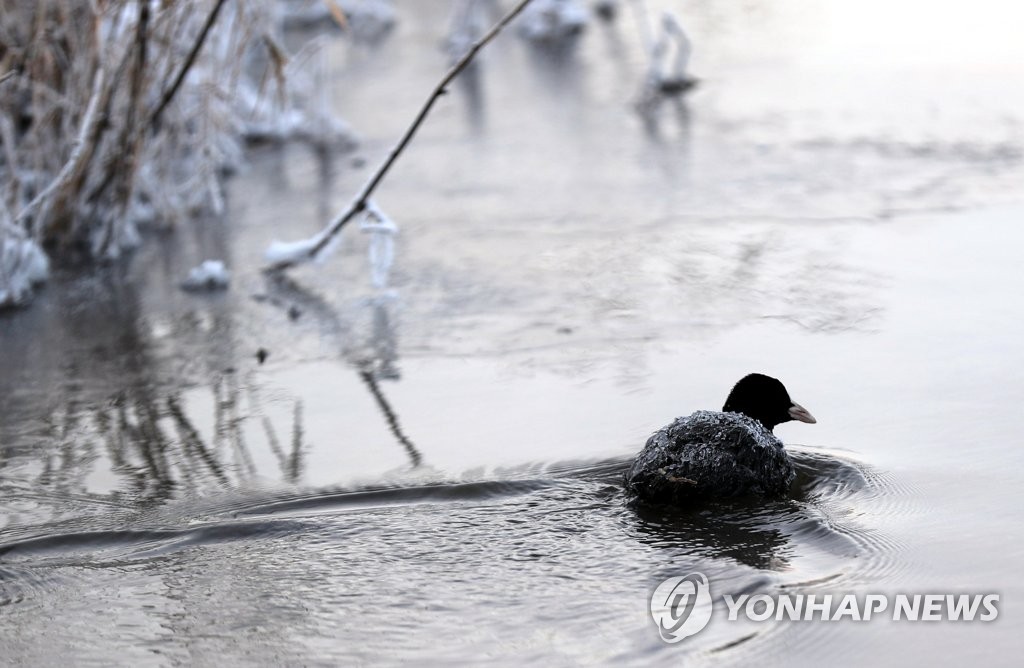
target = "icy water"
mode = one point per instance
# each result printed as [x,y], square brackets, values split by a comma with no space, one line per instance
[435,476]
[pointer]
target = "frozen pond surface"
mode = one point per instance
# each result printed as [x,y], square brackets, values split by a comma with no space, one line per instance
[837,207]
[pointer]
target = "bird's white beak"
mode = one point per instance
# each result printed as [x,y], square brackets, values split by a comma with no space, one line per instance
[798,412]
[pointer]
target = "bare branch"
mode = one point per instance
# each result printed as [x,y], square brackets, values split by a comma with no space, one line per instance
[360,202]
[154,120]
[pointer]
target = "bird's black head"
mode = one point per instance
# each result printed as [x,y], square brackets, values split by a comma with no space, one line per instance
[766,400]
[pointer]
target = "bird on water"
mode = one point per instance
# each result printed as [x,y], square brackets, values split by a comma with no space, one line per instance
[712,454]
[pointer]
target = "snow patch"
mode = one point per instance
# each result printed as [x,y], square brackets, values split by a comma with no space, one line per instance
[23,264]
[210,275]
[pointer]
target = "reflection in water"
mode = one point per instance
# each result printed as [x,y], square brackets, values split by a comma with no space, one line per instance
[291,464]
[379,364]
[193,442]
[304,557]
[764,536]
[375,358]
[131,448]
[381,348]
[470,83]
[140,449]
[557,65]
[768,534]
[470,20]
[326,174]
[747,535]
[654,115]
[389,415]
[289,295]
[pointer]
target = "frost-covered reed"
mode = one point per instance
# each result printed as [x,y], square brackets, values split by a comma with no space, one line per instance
[668,74]
[548,21]
[122,113]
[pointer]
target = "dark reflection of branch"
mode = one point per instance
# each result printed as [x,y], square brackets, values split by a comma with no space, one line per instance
[380,364]
[469,21]
[558,67]
[147,442]
[295,466]
[154,447]
[219,421]
[375,361]
[144,437]
[291,464]
[153,442]
[287,293]
[470,82]
[383,344]
[389,415]
[273,442]
[190,439]
[325,181]
[245,465]
[652,114]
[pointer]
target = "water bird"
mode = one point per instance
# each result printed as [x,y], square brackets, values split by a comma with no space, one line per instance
[732,453]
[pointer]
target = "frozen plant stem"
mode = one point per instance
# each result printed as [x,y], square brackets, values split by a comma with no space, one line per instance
[89,121]
[360,202]
[169,95]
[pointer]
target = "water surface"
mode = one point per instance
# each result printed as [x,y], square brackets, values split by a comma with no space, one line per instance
[435,475]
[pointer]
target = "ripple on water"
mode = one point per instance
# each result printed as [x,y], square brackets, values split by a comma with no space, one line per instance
[822,514]
[845,495]
[822,540]
[18,584]
[563,532]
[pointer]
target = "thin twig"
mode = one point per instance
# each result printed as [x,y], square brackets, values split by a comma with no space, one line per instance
[89,120]
[154,120]
[359,203]
[126,159]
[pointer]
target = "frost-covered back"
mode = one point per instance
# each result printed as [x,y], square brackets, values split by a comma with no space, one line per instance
[710,455]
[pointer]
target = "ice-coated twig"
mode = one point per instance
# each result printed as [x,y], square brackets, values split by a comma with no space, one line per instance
[665,80]
[89,121]
[672,30]
[316,244]
[381,252]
